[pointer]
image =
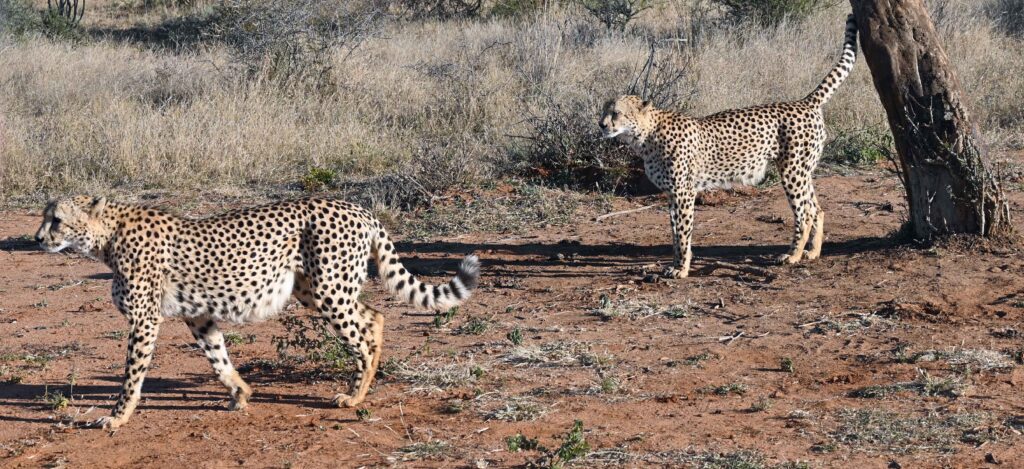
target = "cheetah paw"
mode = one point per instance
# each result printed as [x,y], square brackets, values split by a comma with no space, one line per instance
[106,423]
[672,272]
[238,404]
[791,259]
[343,400]
[787,259]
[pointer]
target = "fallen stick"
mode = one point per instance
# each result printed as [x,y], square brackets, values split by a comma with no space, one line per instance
[729,338]
[624,212]
[711,266]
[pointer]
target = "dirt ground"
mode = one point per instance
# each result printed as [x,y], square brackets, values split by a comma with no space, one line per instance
[876,355]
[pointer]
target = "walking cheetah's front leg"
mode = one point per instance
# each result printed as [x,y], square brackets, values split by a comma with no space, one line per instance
[682,198]
[141,344]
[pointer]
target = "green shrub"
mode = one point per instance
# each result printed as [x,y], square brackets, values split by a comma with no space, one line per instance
[436,9]
[292,42]
[863,147]
[313,342]
[565,150]
[515,8]
[615,14]
[18,18]
[317,179]
[1008,15]
[769,12]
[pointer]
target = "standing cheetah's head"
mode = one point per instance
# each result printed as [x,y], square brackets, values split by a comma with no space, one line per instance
[625,117]
[71,222]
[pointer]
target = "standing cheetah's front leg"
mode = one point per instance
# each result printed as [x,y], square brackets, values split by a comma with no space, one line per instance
[682,198]
[141,344]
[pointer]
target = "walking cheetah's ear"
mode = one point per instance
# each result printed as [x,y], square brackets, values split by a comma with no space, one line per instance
[647,105]
[97,206]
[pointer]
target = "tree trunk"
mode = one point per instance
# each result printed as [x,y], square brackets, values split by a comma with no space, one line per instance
[949,187]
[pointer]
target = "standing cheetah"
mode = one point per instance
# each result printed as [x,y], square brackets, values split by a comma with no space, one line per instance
[242,266]
[684,155]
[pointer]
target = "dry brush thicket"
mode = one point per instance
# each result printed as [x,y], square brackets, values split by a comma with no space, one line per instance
[156,97]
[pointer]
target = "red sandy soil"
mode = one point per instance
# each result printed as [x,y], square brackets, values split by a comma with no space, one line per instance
[947,298]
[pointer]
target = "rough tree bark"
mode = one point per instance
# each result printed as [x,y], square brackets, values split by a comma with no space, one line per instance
[950,188]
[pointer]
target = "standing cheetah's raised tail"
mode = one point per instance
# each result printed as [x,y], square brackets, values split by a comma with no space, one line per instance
[408,288]
[828,86]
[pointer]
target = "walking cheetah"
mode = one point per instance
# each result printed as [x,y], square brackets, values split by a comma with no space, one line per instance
[242,266]
[684,155]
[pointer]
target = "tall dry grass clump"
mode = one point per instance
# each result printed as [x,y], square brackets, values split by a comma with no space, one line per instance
[513,91]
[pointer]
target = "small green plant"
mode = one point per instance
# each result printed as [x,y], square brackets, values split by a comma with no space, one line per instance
[786,365]
[698,360]
[314,342]
[761,405]
[520,442]
[453,406]
[317,179]
[15,379]
[771,178]
[606,310]
[55,400]
[116,335]
[678,311]
[473,326]
[574,445]
[363,414]
[609,385]
[515,336]
[234,338]
[725,389]
[442,319]
[824,447]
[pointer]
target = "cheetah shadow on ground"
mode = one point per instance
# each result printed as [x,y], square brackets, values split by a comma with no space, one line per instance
[195,393]
[617,259]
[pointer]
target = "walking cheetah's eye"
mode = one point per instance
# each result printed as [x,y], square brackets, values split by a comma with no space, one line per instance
[55,223]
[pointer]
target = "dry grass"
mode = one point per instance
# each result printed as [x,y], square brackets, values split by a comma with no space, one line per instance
[442,103]
[431,377]
[877,430]
[556,354]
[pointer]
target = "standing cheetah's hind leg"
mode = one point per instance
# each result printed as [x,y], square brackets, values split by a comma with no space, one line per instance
[818,233]
[795,170]
[363,328]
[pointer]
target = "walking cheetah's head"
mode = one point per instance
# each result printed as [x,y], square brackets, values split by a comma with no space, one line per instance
[625,118]
[71,222]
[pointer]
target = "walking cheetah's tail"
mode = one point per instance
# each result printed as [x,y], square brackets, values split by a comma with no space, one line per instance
[828,86]
[406,287]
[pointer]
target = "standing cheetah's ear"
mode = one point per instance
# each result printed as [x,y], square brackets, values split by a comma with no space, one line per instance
[97,206]
[647,105]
